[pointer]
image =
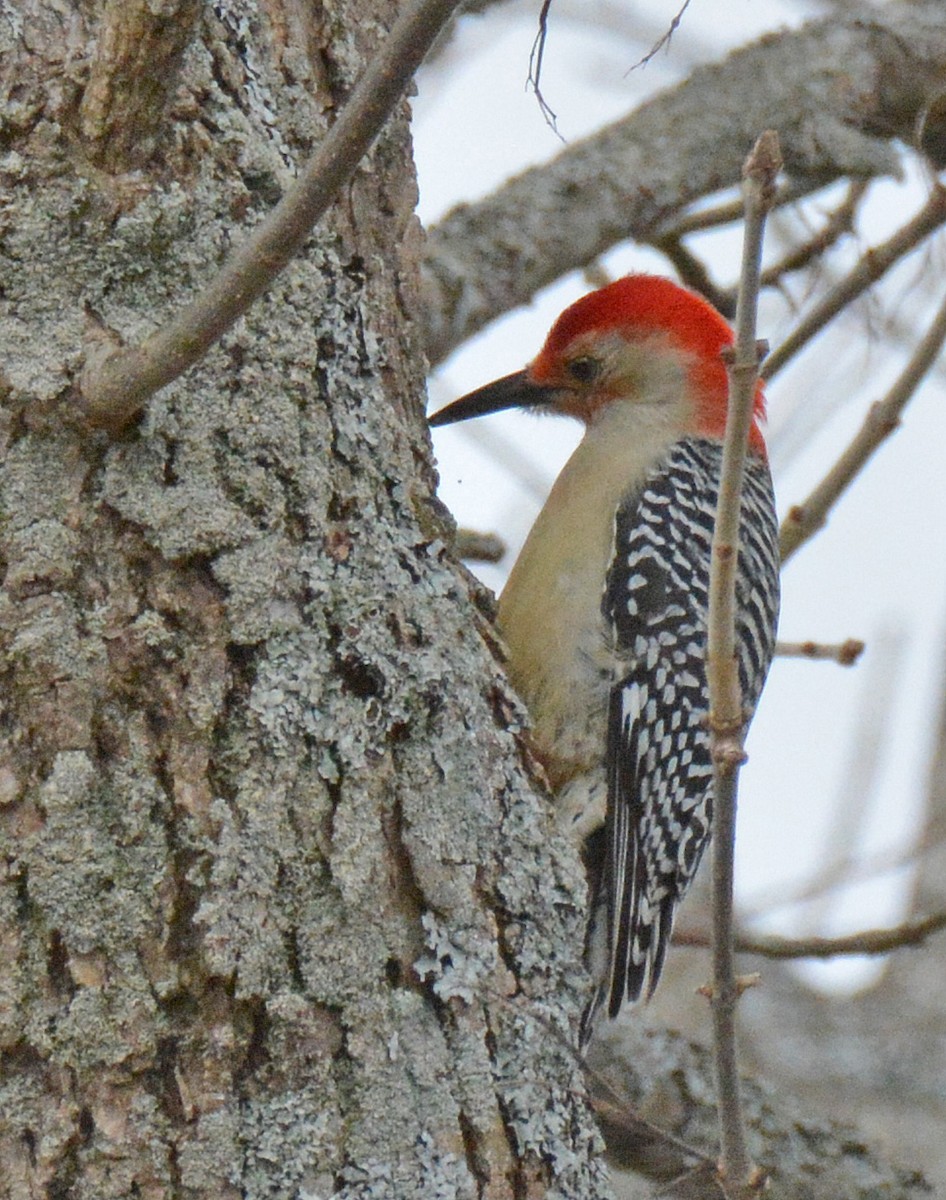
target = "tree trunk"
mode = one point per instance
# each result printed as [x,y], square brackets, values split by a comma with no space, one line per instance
[281,914]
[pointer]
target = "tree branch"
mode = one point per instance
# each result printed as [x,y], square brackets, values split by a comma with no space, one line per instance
[830,87]
[726,720]
[694,274]
[727,212]
[116,384]
[649,1078]
[871,267]
[692,271]
[844,653]
[836,225]
[866,942]
[883,417]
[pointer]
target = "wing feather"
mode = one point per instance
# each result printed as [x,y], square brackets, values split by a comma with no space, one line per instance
[660,777]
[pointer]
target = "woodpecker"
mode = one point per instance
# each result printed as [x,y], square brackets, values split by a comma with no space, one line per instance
[604,614]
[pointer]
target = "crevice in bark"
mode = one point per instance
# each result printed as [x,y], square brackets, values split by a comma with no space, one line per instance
[518,1179]
[161,1080]
[57,966]
[28,1137]
[410,897]
[256,1053]
[476,1160]
[183,940]
[67,1172]
[294,959]
[20,879]
[504,919]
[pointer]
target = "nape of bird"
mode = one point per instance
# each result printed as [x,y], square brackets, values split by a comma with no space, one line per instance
[605,611]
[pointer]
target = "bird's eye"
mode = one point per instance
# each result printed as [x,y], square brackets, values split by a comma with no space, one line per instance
[584,369]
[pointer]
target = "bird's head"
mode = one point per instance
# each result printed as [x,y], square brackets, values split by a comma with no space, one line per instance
[641,340]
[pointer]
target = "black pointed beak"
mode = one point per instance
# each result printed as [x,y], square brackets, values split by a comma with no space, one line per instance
[512,391]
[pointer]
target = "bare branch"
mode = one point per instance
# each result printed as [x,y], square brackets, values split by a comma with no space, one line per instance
[115,387]
[595,274]
[844,653]
[866,942]
[883,417]
[693,272]
[872,266]
[821,89]
[725,213]
[536,56]
[738,1176]
[665,39]
[838,223]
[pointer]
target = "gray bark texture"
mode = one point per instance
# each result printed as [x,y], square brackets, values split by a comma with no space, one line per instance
[282,916]
[841,92]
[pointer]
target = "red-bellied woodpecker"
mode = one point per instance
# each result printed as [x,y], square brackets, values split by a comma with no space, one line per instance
[604,614]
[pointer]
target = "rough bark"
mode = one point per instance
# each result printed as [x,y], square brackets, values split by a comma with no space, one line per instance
[662,1133]
[840,91]
[281,915]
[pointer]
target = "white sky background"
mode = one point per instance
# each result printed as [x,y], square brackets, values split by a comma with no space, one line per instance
[879,570]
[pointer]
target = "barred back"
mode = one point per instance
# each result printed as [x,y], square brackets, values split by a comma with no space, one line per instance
[660,782]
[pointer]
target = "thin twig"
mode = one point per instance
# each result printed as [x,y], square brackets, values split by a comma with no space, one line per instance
[694,273]
[727,212]
[664,39]
[838,223]
[872,265]
[116,384]
[596,275]
[883,417]
[536,57]
[737,1174]
[866,942]
[641,1146]
[844,653]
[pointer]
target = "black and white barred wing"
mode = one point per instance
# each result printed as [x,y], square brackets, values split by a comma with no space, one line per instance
[660,785]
